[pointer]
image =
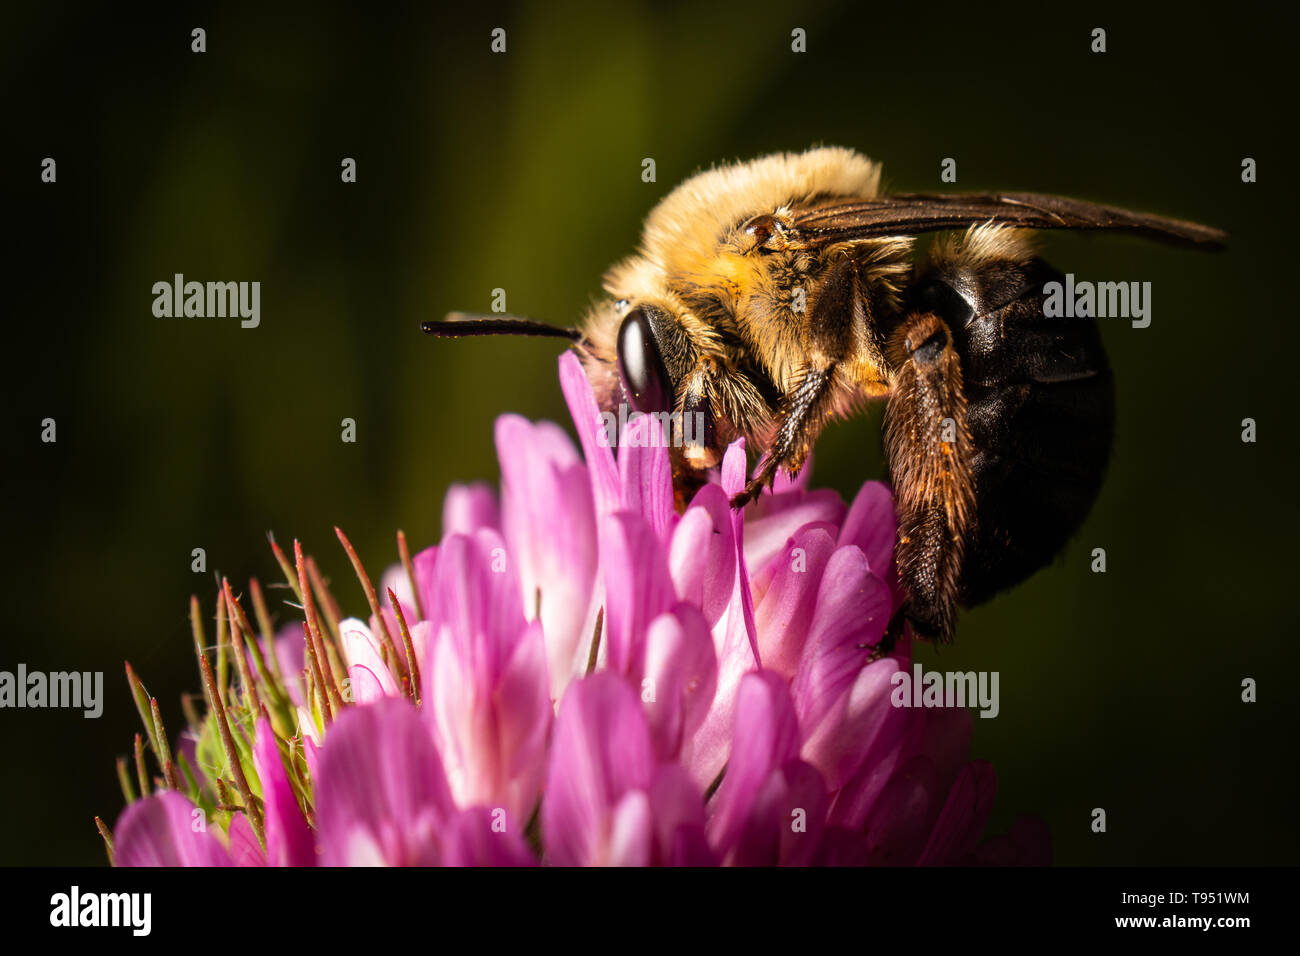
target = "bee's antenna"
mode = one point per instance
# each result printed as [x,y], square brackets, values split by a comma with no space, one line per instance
[457,324]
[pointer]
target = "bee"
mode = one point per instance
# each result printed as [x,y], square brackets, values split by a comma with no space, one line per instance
[771,297]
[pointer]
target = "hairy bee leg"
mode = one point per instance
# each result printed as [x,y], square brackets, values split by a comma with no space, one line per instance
[839,308]
[930,452]
[805,404]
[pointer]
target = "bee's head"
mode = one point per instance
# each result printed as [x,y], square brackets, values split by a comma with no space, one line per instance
[638,359]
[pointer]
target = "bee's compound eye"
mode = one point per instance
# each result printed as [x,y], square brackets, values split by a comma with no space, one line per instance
[641,366]
[937,296]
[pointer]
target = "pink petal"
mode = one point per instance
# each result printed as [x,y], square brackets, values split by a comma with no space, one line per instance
[308,730]
[600,751]
[679,819]
[420,634]
[853,608]
[702,554]
[631,832]
[945,736]
[787,819]
[736,642]
[733,482]
[680,674]
[872,525]
[883,754]
[784,484]
[587,422]
[964,816]
[550,531]
[425,565]
[785,611]
[369,675]
[380,791]
[842,701]
[901,820]
[840,743]
[310,750]
[843,846]
[289,840]
[468,508]
[244,848]
[690,847]
[645,473]
[482,837]
[160,831]
[638,588]
[775,520]
[705,753]
[289,648]
[476,604]
[459,715]
[523,711]
[491,738]
[396,579]
[366,684]
[766,735]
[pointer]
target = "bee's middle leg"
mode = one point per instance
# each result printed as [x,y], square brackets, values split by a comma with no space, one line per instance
[802,412]
[806,406]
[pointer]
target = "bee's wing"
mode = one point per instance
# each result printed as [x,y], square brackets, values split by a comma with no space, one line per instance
[908,215]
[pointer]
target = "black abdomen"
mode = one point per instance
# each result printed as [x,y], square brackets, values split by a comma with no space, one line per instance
[1041,412]
[1043,453]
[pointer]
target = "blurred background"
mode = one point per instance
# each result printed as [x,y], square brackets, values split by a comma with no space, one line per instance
[523,171]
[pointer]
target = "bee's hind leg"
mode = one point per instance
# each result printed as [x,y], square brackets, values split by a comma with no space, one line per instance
[930,453]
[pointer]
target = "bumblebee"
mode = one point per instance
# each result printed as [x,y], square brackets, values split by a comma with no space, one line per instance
[771,297]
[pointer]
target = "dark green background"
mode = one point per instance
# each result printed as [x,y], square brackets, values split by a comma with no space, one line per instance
[522,171]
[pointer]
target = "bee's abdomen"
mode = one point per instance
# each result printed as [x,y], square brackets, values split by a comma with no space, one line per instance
[1040,406]
[1042,453]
